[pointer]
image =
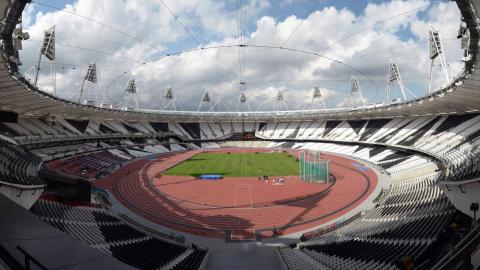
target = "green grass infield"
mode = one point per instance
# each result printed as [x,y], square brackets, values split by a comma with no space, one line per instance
[238,164]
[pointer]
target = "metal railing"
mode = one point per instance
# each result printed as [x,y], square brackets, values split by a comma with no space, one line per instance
[29,258]
[461,251]
[11,262]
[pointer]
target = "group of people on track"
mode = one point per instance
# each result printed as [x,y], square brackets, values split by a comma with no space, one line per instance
[279,181]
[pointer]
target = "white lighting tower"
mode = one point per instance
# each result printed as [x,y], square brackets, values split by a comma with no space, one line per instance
[436,51]
[279,99]
[205,99]
[48,50]
[88,95]
[168,100]
[394,77]
[242,101]
[130,93]
[464,36]
[317,99]
[354,89]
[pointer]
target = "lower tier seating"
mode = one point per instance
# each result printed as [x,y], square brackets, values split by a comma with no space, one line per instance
[406,224]
[99,229]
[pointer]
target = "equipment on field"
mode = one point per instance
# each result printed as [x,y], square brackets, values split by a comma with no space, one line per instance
[211,176]
[312,168]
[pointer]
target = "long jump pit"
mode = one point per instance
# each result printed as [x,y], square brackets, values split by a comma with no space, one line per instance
[238,208]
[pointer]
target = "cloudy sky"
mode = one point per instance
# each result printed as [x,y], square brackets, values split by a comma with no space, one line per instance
[136,39]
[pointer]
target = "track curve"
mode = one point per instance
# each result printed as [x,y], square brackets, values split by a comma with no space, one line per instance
[237,207]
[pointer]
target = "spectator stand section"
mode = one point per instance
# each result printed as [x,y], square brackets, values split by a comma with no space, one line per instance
[101,230]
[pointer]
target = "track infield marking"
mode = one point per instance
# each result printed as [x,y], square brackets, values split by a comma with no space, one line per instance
[243,196]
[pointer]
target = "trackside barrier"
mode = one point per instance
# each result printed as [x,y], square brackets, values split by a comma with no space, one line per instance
[329,228]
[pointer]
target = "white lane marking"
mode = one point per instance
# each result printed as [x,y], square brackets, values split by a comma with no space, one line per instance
[235,201]
[250,189]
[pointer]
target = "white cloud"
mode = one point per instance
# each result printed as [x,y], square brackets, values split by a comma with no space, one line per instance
[267,70]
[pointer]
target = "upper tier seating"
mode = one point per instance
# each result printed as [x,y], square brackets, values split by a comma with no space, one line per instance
[17,166]
[456,139]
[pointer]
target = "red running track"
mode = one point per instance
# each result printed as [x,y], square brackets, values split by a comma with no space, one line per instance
[237,207]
